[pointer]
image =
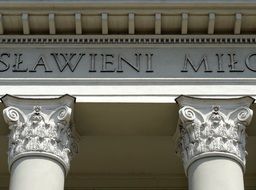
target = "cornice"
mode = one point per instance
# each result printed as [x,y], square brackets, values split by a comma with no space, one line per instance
[127,17]
[125,3]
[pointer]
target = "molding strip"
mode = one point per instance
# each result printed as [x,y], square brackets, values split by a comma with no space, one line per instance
[127,39]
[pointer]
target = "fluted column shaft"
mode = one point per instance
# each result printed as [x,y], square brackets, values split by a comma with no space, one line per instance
[211,141]
[41,141]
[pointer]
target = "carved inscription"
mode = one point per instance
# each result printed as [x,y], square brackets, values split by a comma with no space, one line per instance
[209,62]
[232,65]
[203,62]
[70,62]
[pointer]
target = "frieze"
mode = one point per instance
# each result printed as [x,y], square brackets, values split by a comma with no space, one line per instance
[211,57]
[171,62]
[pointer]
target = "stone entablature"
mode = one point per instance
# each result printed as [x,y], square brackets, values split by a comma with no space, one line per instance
[40,128]
[209,128]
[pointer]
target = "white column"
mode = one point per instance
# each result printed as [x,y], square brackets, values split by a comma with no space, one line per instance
[211,141]
[41,141]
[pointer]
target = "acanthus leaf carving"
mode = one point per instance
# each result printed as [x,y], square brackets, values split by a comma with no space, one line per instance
[202,135]
[40,132]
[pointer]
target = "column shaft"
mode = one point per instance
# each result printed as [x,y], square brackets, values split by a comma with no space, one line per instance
[35,173]
[215,173]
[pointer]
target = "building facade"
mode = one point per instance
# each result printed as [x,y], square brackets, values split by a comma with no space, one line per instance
[118,94]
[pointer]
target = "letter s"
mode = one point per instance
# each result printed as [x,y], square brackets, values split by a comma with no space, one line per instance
[6,65]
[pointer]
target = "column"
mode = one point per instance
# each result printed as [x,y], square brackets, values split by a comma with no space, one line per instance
[211,141]
[41,141]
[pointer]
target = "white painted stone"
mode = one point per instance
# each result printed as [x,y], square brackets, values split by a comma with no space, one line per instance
[41,141]
[40,173]
[211,140]
[215,173]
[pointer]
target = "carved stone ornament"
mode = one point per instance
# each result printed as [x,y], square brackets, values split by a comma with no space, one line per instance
[36,133]
[217,132]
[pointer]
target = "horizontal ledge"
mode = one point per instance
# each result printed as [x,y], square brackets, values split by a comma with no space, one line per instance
[128,98]
[125,4]
[138,99]
[127,81]
[131,90]
[127,39]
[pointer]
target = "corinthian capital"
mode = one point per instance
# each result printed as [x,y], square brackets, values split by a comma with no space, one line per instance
[40,127]
[213,127]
